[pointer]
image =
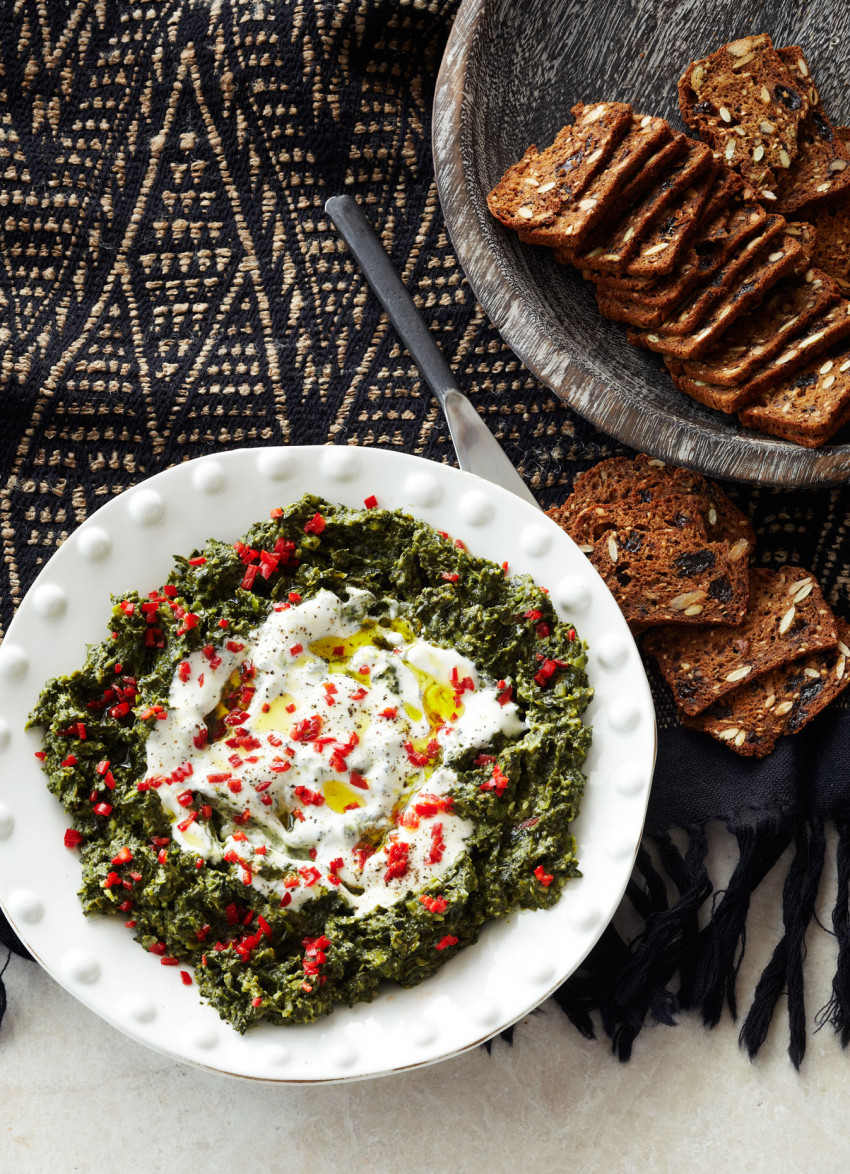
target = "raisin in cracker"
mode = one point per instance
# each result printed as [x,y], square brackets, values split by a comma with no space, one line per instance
[743,101]
[787,618]
[672,576]
[751,719]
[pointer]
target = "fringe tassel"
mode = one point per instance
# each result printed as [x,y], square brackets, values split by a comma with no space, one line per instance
[837,1011]
[721,944]
[628,983]
[785,969]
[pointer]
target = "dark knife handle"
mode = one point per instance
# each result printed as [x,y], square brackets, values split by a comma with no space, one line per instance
[371,256]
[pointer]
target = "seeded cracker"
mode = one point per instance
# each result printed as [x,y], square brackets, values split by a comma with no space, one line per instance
[719,241]
[714,244]
[688,317]
[832,249]
[707,283]
[615,250]
[787,618]
[659,251]
[743,101]
[758,336]
[681,511]
[817,338]
[533,190]
[630,481]
[633,196]
[603,196]
[811,406]
[673,576]
[821,170]
[771,264]
[752,718]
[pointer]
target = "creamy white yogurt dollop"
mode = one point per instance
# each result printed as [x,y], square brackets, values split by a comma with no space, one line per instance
[334,770]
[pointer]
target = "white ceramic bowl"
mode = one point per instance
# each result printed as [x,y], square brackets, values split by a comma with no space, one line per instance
[516,964]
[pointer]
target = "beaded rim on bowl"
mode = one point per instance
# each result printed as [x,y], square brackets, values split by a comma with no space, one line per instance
[516,963]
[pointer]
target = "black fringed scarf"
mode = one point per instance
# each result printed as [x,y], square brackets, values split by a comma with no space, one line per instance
[170,286]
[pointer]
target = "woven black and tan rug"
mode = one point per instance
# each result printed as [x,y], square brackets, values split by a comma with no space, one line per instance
[170,286]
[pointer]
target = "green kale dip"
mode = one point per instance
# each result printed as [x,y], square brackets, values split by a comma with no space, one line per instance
[321,758]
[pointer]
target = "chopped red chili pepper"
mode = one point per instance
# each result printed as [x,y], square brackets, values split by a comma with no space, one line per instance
[123,856]
[444,943]
[310,798]
[158,948]
[185,978]
[316,525]
[450,576]
[370,502]
[41,755]
[397,861]
[498,782]
[72,838]
[434,904]
[543,876]
[277,512]
[103,809]
[307,729]
[438,845]
[197,562]
[70,760]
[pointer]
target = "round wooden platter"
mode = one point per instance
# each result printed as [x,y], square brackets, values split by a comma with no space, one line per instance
[511,72]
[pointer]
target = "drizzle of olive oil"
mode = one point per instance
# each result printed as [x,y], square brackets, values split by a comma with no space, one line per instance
[338,796]
[276,716]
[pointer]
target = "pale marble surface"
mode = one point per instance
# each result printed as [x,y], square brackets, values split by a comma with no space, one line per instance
[75,1095]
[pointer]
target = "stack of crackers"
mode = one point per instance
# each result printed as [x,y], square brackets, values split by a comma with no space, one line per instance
[730,257]
[749,654]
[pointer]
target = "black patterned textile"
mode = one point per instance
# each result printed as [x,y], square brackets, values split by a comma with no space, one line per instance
[170,286]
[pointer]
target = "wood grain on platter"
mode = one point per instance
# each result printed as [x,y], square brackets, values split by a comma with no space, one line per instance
[511,72]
